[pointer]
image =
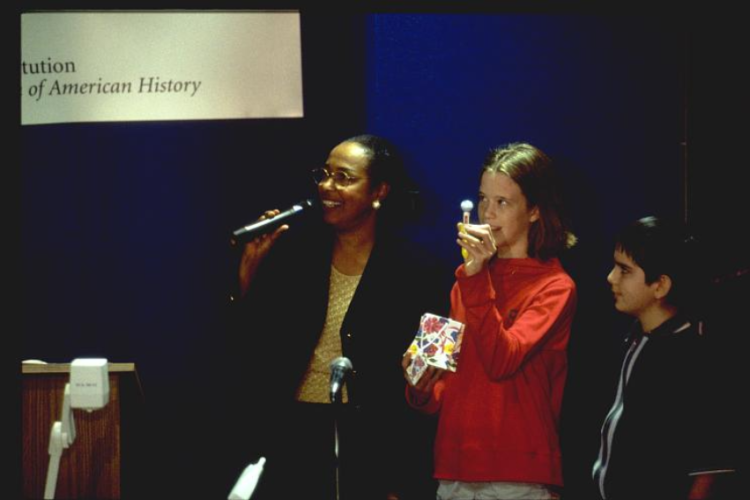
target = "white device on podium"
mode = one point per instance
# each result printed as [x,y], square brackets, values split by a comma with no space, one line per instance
[88,389]
[248,480]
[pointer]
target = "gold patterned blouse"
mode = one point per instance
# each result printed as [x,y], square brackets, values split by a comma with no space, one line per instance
[315,384]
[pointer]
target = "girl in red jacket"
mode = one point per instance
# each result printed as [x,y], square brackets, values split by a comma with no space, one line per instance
[499,412]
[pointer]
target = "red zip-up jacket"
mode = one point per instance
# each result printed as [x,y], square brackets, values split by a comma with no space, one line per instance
[499,412]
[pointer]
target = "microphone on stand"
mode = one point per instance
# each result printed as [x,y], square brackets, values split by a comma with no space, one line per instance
[261,227]
[340,368]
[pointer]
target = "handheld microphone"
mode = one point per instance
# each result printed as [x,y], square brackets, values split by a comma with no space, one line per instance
[264,226]
[340,368]
[467,206]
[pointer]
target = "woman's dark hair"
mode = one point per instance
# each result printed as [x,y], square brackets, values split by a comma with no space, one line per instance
[387,165]
[531,169]
[665,247]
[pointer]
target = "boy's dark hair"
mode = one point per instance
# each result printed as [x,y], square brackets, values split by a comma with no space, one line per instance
[665,247]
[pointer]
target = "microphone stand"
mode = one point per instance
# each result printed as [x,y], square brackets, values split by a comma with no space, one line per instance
[337,408]
[340,367]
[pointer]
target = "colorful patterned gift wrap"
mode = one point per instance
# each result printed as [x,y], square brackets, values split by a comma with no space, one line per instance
[437,343]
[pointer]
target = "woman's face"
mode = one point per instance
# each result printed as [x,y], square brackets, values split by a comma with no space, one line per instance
[503,206]
[347,203]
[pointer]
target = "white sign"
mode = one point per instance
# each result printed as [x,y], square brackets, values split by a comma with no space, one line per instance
[144,66]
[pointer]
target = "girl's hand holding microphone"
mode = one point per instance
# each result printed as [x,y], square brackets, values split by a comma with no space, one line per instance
[476,241]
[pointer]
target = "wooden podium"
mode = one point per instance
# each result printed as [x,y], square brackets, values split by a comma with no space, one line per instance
[91,466]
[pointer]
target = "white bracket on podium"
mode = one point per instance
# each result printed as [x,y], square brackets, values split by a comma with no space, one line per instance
[62,435]
[247,482]
[90,390]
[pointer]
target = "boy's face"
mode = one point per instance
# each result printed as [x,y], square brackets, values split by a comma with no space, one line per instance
[633,296]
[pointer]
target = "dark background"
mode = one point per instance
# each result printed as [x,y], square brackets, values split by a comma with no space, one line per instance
[125,226]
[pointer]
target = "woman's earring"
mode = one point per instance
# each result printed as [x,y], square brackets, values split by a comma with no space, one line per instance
[376,204]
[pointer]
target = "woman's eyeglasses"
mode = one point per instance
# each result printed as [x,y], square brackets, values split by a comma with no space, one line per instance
[340,178]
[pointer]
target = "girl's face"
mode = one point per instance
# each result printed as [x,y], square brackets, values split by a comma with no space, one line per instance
[503,206]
